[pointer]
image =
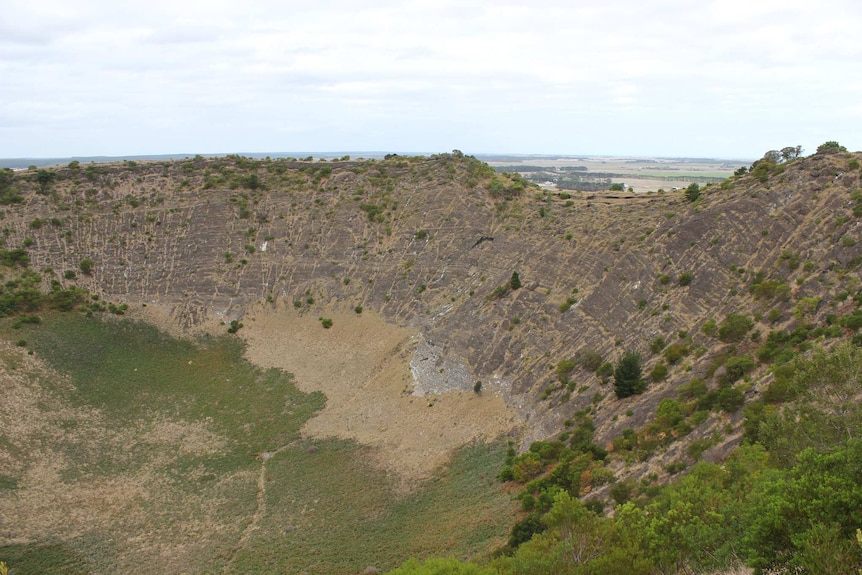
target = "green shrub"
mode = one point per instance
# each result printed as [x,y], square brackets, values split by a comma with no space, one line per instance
[674,353]
[605,371]
[658,373]
[692,192]
[657,344]
[694,389]
[589,359]
[709,327]
[564,368]
[730,399]
[735,368]
[86,266]
[527,466]
[734,327]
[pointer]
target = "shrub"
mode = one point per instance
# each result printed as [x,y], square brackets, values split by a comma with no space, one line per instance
[734,327]
[805,307]
[326,322]
[685,278]
[658,373]
[694,389]
[692,192]
[527,466]
[621,491]
[589,359]
[86,266]
[657,344]
[674,353]
[669,413]
[605,371]
[736,367]
[831,147]
[709,327]
[730,399]
[564,368]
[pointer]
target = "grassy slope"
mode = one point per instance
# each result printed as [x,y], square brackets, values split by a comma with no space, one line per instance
[324,510]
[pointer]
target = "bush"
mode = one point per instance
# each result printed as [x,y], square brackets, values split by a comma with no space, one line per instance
[735,368]
[589,359]
[734,327]
[685,278]
[621,491]
[730,399]
[86,266]
[527,466]
[564,368]
[669,413]
[805,307]
[692,192]
[831,147]
[674,353]
[658,373]
[605,371]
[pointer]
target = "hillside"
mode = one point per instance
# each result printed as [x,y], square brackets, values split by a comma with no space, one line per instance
[432,343]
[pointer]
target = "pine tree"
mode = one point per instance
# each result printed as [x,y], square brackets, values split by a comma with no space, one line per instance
[515,282]
[628,376]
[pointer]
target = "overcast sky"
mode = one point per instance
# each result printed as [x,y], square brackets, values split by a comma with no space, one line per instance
[727,78]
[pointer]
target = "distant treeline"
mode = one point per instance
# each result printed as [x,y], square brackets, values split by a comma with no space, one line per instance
[524,169]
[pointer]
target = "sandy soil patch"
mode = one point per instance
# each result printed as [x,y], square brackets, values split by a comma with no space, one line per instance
[362,365]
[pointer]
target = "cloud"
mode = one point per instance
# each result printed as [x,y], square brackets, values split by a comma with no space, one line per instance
[547,76]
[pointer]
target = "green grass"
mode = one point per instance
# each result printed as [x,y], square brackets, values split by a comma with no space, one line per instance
[57,559]
[357,520]
[327,509]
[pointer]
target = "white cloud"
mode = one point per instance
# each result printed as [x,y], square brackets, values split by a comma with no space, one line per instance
[102,77]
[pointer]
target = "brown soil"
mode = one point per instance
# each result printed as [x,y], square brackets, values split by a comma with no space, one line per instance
[362,366]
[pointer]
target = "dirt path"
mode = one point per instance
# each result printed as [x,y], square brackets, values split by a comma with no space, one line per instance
[362,366]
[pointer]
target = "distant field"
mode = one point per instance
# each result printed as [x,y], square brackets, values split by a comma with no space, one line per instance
[134,452]
[641,174]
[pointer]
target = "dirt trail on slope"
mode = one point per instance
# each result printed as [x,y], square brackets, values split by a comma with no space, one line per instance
[362,366]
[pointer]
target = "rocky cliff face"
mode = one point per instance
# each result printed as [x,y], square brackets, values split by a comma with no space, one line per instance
[432,243]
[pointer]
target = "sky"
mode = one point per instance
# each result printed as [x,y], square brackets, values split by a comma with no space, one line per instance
[673,78]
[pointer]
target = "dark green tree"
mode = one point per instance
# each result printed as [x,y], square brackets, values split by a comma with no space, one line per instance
[515,282]
[44,178]
[628,375]
[692,192]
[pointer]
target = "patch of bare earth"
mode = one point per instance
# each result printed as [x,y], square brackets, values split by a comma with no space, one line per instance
[362,365]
